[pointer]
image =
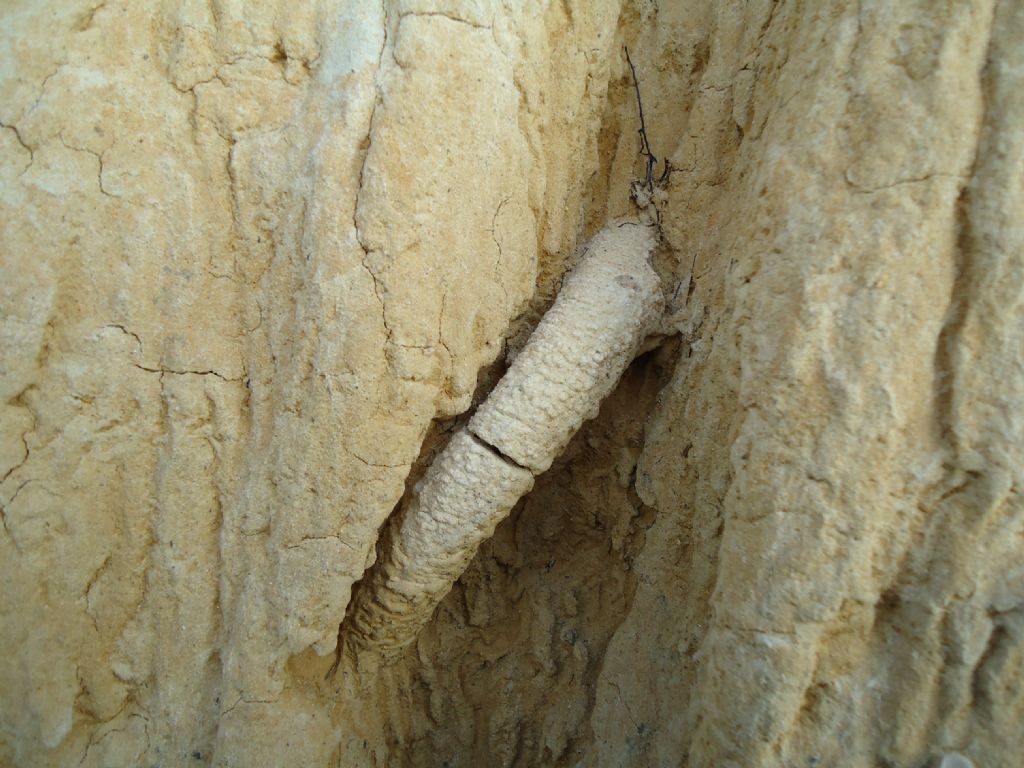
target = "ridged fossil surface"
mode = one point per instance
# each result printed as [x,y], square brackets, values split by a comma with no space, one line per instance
[609,303]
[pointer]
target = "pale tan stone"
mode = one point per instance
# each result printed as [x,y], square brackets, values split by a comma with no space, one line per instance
[605,309]
[257,258]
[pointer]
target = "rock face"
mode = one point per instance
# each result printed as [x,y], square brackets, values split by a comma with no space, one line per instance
[260,260]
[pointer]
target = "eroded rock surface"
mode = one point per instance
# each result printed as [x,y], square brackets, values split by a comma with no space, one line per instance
[260,259]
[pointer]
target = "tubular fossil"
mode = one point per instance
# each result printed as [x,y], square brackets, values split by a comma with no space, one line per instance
[609,303]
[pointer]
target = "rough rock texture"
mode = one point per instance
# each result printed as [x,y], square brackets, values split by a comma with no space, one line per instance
[259,258]
[468,489]
[607,306]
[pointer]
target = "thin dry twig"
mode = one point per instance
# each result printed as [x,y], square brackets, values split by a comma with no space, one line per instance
[645,148]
